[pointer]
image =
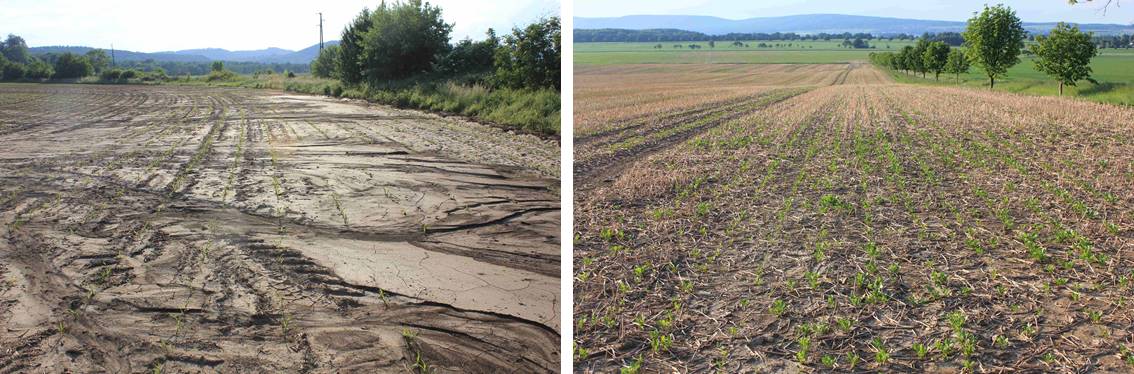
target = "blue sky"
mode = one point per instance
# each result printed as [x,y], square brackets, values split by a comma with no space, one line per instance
[151,26]
[948,10]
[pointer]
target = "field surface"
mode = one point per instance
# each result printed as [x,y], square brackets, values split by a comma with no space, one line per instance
[780,225]
[1111,68]
[193,229]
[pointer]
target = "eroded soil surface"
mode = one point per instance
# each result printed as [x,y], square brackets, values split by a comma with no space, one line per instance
[206,229]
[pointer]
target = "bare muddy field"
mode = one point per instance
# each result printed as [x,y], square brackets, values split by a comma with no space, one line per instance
[187,229]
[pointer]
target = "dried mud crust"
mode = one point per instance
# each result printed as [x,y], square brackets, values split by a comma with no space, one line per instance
[204,229]
[861,224]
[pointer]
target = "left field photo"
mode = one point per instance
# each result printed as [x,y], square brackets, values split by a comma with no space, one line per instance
[360,186]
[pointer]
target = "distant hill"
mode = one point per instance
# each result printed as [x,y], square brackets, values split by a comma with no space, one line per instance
[302,56]
[266,56]
[810,24]
[122,55]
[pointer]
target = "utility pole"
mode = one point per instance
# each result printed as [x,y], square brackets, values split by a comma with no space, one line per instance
[320,31]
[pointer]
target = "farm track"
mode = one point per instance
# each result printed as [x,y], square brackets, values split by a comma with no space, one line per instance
[856,223]
[203,229]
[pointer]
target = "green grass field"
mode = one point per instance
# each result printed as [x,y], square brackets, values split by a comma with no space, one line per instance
[1113,69]
[799,52]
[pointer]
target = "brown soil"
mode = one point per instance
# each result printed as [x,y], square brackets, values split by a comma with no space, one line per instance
[207,229]
[844,228]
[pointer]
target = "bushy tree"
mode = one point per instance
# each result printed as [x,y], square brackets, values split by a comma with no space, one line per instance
[917,57]
[218,66]
[70,65]
[327,64]
[39,69]
[404,39]
[993,39]
[15,49]
[906,58]
[3,63]
[350,48]
[935,57]
[468,56]
[531,57]
[99,60]
[957,63]
[1065,54]
[11,71]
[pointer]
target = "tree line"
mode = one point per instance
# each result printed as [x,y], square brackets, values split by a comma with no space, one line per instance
[993,42]
[404,41]
[18,64]
[676,35]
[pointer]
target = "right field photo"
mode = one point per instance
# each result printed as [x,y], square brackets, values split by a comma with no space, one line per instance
[926,186]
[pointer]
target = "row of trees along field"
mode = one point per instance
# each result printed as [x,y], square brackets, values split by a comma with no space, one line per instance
[407,42]
[18,64]
[676,35]
[993,42]
[400,54]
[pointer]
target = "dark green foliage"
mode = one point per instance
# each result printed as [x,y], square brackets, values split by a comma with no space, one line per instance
[916,60]
[15,49]
[70,65]
[218,66]
[906,58]
[13,71]
[327,64]
[957,63]
[468,56]
[531,57]
[1065,54]
[403,40]
[39,69]
[99,60]
[994,39]
[934,59]
[350,55]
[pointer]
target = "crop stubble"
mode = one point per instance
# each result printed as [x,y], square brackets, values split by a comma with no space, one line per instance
[861,222]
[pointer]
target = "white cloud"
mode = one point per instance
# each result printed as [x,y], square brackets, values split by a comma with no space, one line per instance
[151,26]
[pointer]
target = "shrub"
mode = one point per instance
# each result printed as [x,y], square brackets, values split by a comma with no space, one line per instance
[13,71]
[70,65]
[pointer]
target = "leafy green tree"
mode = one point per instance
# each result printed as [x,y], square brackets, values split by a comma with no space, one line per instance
[11,71]
[350,48]
[15,49]
[327,64]
[1065,54]
[70,65]
[994,39]
[531,57]
[39,69]
[404,39]
[935,57]
[99,60]
[957,63]
[468,56]
[905,58]
[3,63]
[218,66]
[917,58]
